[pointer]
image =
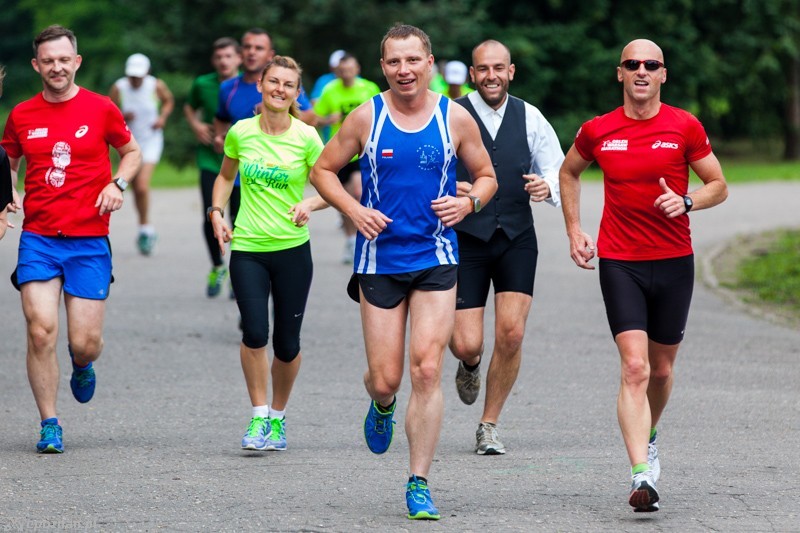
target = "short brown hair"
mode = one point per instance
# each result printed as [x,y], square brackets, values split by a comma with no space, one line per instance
[404,31]
[225,42]
[52,33]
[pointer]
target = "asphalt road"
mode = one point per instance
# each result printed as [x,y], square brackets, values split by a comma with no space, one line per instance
[157,449]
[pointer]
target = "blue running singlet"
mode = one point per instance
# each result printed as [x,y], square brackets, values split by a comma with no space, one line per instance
[401,173]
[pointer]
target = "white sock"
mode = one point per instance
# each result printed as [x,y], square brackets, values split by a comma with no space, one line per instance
[277,414]
[261,411]
[147,229]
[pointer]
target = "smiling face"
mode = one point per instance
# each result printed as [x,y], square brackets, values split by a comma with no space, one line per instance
[406,65]
[56,62]
[491,72]
[642,86]
[279,88]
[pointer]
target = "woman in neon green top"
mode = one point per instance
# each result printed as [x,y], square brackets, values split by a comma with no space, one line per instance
[270,251]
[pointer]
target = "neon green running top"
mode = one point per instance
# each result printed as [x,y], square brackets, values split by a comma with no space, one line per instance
[336,98]
[274,171]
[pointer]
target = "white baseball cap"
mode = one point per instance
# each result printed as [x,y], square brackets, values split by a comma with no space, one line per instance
[455,73]
[137,66]
[335,58]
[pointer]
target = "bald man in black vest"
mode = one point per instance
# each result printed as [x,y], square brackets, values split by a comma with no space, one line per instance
[497,242]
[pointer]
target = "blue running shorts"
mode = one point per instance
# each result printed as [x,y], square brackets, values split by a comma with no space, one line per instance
[83,263]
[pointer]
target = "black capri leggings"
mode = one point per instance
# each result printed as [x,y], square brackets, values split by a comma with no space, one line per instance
[287,274]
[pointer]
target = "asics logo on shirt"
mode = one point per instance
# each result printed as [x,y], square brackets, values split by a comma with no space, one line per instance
[664,144]
[81,131]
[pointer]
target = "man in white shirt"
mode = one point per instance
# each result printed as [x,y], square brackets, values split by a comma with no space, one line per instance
[497,243]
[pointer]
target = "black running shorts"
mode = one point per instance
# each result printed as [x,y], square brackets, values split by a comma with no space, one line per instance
[388,290]
[510,266]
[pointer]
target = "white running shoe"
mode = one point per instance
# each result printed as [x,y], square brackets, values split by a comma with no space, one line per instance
[644,496]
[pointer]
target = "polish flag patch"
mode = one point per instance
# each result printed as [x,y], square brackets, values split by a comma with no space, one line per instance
[387,153]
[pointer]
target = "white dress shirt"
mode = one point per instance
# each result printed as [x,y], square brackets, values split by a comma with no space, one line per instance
[546,153]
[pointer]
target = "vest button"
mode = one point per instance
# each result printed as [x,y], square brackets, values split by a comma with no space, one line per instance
[495,164]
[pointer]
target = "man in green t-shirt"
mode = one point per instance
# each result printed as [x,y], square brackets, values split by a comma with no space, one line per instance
[338,99]
[199,110]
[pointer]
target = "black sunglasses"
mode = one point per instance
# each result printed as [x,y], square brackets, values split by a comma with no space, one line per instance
[649,64]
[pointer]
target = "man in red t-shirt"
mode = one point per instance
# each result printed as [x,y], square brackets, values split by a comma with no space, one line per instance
[645,149]
[64,133]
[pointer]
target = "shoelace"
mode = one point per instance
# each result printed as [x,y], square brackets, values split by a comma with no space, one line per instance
[488,432]
[652,452]
[419,491]
[256,427]
[49,431]
[277,427]
[84,377]
[380,421]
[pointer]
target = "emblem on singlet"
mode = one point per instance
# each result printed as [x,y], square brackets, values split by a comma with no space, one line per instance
[429,157]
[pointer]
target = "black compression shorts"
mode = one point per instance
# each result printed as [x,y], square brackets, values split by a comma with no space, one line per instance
[653,296]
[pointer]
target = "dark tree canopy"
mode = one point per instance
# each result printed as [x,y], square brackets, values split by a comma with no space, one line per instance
[734,63]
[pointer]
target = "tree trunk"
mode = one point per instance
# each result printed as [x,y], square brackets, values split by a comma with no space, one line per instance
[792,126]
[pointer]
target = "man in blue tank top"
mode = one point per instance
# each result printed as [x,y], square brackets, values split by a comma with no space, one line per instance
[408,140]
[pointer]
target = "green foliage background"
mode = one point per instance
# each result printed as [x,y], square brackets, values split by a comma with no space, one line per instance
[734,63]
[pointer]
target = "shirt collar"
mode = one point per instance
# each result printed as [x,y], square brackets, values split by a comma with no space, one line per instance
[483,109]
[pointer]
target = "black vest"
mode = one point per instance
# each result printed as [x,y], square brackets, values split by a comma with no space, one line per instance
[510,207]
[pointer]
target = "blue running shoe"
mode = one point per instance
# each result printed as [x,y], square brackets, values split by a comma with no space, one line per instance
[51,437]
[83,381]
[418,499]
[276,440]
[379,428]
[255,438]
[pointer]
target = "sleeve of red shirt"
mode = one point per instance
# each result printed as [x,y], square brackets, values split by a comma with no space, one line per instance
[584,142]
[697,144]
[10,140]
[117,133]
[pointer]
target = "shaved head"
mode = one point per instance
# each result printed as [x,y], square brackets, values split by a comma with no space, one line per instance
[641,49]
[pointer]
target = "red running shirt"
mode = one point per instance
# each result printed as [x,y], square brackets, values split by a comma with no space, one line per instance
[633,155]
[65,146]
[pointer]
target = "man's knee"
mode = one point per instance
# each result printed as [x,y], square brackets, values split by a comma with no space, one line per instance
[510,337]
[42,336]
[86,346]
[426,374]
[635,371]
[382,385]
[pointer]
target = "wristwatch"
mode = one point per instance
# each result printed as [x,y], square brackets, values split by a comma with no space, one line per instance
[476,203]
[120,182]
[687,203]
[212,209]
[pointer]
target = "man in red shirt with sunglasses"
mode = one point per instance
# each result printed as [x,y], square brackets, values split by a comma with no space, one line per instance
[645,149]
